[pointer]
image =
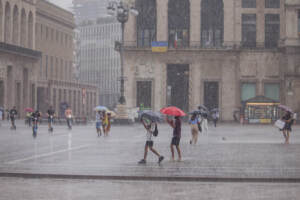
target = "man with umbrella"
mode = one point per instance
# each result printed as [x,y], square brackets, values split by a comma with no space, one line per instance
[149,119]
[176,125]
[288,119]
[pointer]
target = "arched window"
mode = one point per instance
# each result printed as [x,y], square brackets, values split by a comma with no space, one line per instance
[1,17]
[30,30]
[23,28]
[7,23]
[179,23]
[212,23]
[15,25]
[146,22]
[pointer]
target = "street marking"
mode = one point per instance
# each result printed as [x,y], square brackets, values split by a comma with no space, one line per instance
[46,154]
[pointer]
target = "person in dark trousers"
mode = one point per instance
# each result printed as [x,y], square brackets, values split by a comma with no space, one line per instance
[287,118]
[149,142]
[12,114]
[176,125]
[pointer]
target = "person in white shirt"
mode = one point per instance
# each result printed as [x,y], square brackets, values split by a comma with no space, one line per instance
[149,141]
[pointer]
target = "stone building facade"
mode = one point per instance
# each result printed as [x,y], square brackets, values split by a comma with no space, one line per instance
[56,85]
[18,55]
[220,53]
[36,54]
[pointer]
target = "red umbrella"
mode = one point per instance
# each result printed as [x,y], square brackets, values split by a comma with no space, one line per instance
[29,110]
[173,111]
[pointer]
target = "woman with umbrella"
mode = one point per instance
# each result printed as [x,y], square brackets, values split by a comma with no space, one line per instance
[149,121]
[176,125]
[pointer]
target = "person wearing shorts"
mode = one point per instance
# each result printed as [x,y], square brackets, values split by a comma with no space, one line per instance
[194,122]
[99,123]
[176,125]
[149,142]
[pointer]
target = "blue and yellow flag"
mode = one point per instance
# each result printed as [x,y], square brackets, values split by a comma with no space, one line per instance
[159,47]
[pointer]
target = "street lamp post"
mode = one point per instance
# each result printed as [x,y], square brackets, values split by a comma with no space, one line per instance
[121,10]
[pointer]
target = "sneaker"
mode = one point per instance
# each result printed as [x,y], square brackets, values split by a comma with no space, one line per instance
[160,159]
[143,161]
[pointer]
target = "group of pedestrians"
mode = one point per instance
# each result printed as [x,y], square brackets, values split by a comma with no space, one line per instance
[151,128]
[103,122]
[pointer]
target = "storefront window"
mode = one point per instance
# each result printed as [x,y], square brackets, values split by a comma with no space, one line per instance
[248,91]
[272,91]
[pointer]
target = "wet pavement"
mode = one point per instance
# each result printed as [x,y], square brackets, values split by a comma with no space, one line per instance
[68,189]
[228,151]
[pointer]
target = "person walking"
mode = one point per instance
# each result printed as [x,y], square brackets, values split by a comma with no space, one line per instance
[104,122]
[204,123]
[12,114]
[287,118]
[1,116]
[108,123]
[215,117]
[176,125]
[99,123]
[194,122]
[150,128]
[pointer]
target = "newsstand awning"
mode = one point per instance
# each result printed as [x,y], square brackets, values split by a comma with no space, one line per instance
[261,109]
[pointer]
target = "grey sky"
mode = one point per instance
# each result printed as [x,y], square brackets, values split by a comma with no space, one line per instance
[66,4]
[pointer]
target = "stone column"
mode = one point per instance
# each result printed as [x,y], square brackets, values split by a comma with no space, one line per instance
[162,20]
[229,22]
[260,24]
[229,87]
[195,21]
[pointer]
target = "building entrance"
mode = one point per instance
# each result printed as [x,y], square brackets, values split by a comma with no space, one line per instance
[178,85]
[211,94]
[143,94]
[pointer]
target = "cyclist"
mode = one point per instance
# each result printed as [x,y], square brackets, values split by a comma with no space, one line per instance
[68,115]
[50,114]
[12,113]
[35,118]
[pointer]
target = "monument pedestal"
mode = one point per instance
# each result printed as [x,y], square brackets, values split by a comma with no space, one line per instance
[122,115]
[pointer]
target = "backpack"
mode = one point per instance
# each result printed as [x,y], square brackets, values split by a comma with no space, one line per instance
[155,132]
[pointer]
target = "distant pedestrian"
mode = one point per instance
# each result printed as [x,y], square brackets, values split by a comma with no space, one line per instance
[194,122]
[149,142]
[108,123]
[287,118]
[176,125]
[204,123]
[99,123]
[104,122]
[215,117]
[1,114]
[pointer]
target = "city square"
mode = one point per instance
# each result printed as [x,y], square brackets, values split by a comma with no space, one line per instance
[231,157]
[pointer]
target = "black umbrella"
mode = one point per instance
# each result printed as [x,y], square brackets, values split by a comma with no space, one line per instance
[203,107]
[151,115]
[215,110]
[195,112]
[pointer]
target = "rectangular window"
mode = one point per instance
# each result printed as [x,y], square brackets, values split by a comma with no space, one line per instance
[248,91]
[272,3]
[249,3]
[272,91]
[272,30]
[249,30]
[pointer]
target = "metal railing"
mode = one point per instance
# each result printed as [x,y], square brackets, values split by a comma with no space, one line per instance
[19,50]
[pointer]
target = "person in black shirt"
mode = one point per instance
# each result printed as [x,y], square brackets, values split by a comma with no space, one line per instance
[287,118]
[12,113]
[50,113]
[176,125]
